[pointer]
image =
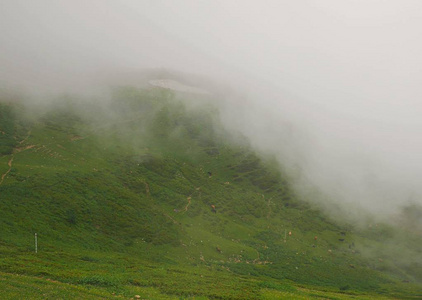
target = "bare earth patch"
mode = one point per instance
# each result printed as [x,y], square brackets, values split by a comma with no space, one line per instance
[75,138]
[7,172]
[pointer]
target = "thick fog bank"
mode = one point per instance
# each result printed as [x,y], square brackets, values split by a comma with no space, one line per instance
[332,88]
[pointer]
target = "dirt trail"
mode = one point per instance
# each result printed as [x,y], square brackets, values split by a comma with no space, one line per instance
[174,221]
[29,134]
[190,199]
[187,205]
[7,172]
[16,150]
[75,138]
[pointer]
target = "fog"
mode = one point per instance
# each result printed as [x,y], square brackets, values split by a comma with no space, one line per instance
[331,88]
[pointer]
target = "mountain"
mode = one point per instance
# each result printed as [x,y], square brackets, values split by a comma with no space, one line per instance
[144,192]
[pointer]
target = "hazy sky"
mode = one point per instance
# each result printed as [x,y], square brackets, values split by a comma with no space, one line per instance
[331,87]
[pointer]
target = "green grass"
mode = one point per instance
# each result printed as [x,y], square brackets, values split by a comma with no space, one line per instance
[120,196]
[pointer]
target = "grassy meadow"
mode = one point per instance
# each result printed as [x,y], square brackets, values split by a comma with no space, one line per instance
[145,194]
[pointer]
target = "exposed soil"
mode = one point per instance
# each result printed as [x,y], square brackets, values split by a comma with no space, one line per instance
[7,172]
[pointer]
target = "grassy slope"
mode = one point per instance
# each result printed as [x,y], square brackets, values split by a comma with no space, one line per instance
[121,201]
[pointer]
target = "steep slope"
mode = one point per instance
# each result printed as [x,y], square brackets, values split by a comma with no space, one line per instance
[148,194]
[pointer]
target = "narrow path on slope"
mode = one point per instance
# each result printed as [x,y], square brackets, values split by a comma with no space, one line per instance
[7,172]
[190,199]
[187,205]
[16,150]
[29,134]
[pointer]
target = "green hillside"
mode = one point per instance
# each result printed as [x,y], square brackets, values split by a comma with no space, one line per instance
[147,194]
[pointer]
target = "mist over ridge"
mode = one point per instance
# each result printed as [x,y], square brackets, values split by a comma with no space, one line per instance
[332,90]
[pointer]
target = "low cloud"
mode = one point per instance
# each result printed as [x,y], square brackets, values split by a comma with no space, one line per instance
[331,89]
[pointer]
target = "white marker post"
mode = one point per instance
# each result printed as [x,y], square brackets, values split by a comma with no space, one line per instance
[36,244]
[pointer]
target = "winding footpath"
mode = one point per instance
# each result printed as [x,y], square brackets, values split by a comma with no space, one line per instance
[16,150]
[7,172]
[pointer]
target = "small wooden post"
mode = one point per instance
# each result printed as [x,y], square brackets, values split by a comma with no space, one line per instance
[36,243]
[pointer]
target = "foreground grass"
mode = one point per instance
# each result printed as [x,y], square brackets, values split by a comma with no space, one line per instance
[190,286]
[14,286]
